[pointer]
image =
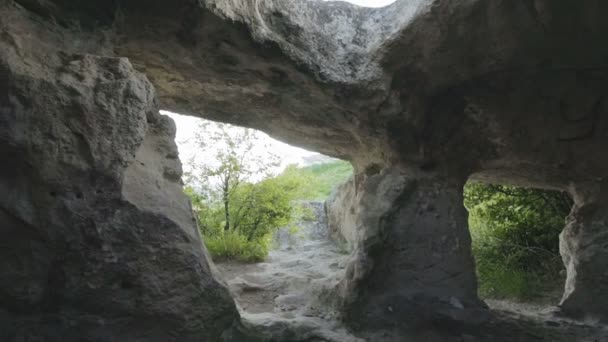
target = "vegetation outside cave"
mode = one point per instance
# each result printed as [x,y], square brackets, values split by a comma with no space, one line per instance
[515,241]
[240,195]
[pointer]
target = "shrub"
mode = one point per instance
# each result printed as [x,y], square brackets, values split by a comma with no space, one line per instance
[231,245]
[255,212]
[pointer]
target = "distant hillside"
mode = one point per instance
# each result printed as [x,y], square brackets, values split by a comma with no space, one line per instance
[323,178]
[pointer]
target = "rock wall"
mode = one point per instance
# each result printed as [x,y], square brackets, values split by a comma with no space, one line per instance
[420,96]
[584,249]
[341,214]
[98,241]
[312,225]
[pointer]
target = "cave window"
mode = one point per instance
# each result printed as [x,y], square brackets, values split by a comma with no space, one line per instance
[515,242]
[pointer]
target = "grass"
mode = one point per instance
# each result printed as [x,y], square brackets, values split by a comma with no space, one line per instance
[499,278]
[231,245]
[500,272]
[325,177]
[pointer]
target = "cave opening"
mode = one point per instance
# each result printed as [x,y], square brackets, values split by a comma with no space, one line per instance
[260,209]
[515,233]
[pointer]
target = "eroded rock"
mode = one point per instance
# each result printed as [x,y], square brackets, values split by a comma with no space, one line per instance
[411,257]
[419,95]
[584,249]
[95,246]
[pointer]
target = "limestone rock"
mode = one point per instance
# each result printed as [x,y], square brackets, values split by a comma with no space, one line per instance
[311,226]
[411,256]
[98,241]
[584,249]
[341,214]
[420,95]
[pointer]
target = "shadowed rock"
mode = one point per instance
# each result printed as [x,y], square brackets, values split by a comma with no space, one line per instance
[98,240]
[419,95]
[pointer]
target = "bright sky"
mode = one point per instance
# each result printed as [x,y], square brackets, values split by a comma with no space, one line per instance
[187,126]
[369,3]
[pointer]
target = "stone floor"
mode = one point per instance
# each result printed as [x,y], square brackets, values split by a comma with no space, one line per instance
[278,301]
[280,294]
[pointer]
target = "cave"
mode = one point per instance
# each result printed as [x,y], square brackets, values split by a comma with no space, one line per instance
[100,244]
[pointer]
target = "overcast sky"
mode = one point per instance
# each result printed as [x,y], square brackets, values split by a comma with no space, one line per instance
[187,127]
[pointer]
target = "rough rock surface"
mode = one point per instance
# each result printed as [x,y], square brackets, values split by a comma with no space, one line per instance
[584,249]
[420,96]
[279,299]
[98,241]
[341,214]
[312,225]
[411,258]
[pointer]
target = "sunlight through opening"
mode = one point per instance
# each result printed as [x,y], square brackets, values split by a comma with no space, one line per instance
[258,201]
[189,151]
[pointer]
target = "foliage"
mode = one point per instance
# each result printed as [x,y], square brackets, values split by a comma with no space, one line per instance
[318,180]
[237,204]
[515,238]
[232,163]
[235,246]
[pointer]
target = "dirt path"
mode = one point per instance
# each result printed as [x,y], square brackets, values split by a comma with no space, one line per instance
[281,292]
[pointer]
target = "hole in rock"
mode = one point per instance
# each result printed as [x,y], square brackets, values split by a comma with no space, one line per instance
[515,243]
[259,204]
[367,3]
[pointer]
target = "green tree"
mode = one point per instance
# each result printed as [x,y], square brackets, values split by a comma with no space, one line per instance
[261,208]
[229,162]
[237,202]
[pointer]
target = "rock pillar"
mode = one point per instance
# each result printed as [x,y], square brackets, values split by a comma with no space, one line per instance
[411,258]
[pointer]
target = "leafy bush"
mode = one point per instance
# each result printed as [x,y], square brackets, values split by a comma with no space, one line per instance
[515,242]
[237,203]
[256,211]
[231,245]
